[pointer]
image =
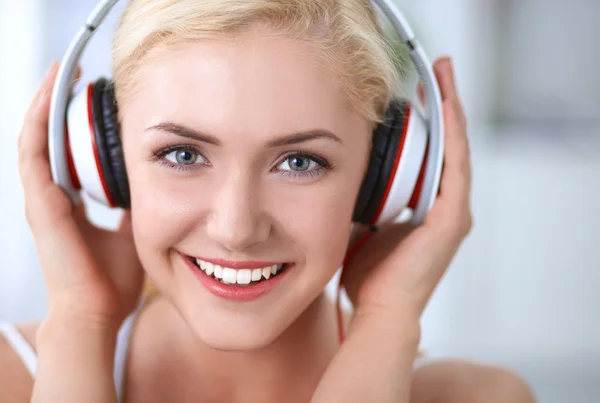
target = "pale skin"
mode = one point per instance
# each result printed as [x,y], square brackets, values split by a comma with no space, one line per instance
[238,202]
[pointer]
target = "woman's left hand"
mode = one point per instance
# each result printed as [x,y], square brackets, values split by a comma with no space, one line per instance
[400,266]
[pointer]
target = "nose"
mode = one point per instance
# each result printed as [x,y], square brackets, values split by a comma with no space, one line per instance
[236,220]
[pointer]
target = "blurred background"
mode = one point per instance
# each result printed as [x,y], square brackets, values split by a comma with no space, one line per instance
[524,289]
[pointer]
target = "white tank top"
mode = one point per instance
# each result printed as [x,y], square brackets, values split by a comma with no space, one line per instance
[29,357]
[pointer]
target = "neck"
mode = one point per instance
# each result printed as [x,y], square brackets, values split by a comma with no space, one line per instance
[295,360]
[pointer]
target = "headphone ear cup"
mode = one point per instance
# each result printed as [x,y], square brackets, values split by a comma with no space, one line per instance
[405,181]
[95,144]
[392,179]
[108,115]
[386,140]
[382,136]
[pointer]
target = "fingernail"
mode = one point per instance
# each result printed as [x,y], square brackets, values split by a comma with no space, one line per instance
[450,67]
[53,67]
[448,61]
[44,88]
[443,62]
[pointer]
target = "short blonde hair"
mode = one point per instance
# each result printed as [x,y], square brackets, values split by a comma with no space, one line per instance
[348,36]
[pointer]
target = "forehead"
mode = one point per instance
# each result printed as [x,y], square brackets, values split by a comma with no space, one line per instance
[255,78]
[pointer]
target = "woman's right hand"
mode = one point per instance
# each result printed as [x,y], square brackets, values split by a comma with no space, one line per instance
[91,274]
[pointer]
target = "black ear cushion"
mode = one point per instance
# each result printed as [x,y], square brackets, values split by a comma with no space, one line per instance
[386,138]
[108,142]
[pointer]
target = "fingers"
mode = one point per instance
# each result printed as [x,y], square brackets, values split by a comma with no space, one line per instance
[44,200]
[33,140]
[445,76]
[455,187]
[444,72]
[456,153]
[456,179]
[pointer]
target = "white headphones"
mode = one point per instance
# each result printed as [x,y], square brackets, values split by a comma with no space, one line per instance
[404,168]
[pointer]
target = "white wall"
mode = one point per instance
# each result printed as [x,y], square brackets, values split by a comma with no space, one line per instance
[551,71]
[21,287]
[464,30]
[523,290]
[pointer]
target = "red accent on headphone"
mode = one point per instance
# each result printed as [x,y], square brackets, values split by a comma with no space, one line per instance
[70,163]
[95,147]
[395,168]
[414,199]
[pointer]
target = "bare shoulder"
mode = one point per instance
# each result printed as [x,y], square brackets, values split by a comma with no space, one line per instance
[16,383]
[456,380]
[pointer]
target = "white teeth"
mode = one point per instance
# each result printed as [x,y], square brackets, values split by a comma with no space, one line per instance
[229,275]
[218,271]
[256,274]
[244,276]
[239,276]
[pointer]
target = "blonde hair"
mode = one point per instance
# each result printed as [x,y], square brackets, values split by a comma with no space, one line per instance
[348,37]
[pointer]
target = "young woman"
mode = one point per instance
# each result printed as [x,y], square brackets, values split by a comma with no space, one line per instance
[246,128]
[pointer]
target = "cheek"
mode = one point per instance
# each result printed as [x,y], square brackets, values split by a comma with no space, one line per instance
[162,213]
[318,218]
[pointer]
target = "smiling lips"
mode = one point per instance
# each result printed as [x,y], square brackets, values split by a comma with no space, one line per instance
[238,281]
[239,276]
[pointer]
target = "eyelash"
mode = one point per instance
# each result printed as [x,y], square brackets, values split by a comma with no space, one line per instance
[323,165]
[159,156]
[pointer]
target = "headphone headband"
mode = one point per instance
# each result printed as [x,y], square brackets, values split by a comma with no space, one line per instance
[67,70]
[433,101]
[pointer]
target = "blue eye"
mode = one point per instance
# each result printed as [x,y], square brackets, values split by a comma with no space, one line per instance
[302,165]
[183,156]
[299,163]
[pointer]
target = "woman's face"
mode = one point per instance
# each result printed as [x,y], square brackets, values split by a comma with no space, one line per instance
[245,155]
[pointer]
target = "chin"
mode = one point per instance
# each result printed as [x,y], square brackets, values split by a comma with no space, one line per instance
[220,320]
[232,344]
[236,335]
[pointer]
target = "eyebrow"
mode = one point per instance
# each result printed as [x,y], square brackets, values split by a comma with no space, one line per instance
[285,140]
[186,132]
